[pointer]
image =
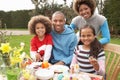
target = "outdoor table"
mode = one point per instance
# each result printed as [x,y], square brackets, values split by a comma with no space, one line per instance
[82,73]
[99,77]
[3,77]
[93,75]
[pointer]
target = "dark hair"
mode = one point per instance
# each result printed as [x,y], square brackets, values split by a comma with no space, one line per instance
[39,19]
[89,3]
[95,47]
[58,12]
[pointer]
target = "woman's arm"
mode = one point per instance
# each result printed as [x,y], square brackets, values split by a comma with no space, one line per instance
[105,33]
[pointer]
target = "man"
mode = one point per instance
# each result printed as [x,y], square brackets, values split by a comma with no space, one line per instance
[64,40]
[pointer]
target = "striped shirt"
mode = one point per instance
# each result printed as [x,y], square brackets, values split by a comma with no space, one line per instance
[82,58]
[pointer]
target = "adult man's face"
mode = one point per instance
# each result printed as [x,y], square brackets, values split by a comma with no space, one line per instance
[58,21]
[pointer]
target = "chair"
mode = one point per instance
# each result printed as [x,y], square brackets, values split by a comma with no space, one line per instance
[112,61]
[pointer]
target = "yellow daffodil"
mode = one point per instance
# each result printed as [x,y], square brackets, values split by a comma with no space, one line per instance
[5,48]
[26,74]
[13,53]
[12,61]
[15,60]
[16,56]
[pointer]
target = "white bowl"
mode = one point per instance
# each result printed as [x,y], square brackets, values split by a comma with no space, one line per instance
[44,74]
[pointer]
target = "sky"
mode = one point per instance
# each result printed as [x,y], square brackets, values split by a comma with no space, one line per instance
[13,5]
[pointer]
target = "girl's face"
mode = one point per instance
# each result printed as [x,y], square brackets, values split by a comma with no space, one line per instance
[87,36]
[85,11]
[40,29]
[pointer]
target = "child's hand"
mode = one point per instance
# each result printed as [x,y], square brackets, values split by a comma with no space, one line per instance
[38,57]
[50,64]
[60,63]
[94,62]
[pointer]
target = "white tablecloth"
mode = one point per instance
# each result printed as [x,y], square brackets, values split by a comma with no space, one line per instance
[2,77]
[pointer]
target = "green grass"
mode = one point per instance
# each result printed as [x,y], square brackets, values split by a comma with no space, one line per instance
[115,40]
[16,40]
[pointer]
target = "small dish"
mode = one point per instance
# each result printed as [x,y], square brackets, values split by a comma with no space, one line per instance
[34,65]
[59,68]
[44,74]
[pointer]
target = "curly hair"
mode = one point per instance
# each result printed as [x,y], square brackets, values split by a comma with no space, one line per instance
[89,3]
[39,19]
[95,47]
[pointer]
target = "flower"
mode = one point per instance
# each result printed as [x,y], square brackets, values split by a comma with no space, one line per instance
[13,54]
[16,54]
[22,44]
[26,74]
[5,48]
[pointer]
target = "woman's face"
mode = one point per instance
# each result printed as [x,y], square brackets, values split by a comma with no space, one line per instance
[87,36]
[85,11]
[40,29]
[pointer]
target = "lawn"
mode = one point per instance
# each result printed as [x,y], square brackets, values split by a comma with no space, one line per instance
[15,41]
[115,41]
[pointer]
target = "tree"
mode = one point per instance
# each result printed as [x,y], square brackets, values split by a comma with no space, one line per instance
[48,10]
[111,11]
[100,5]
[38,3]
[2,19]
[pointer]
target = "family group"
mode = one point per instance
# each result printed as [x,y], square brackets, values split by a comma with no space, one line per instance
[57,43]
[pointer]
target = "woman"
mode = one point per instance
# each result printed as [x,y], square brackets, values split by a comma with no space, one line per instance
[86,14]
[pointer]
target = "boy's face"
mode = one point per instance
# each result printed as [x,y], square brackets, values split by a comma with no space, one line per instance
[58,22]
[40,29]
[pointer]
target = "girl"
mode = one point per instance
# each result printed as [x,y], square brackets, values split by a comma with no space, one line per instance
[41,43]
[86,14]
[89,54]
